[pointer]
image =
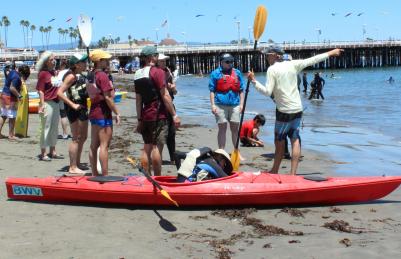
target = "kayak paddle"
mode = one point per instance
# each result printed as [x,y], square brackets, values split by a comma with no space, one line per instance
[258,28]
[150,179]
[85,30]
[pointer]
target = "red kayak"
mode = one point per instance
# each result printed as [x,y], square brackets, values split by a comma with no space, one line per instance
[238,189]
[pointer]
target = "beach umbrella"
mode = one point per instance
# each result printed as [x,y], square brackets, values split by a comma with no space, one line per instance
[258,28]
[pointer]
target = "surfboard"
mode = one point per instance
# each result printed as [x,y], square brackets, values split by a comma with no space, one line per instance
[21,122]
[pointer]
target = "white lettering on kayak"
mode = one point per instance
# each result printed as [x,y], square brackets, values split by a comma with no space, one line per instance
[27,191]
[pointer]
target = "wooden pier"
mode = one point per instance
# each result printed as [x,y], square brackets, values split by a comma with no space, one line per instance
[196,59]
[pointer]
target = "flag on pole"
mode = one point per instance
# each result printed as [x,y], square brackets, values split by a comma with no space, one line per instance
[164,23]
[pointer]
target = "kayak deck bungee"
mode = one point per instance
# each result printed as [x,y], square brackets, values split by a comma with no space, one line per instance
[238,189]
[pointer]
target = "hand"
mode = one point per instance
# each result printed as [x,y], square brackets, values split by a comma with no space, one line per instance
[139,127]
[118,120]
[214,109]
[241,108]
[76,106]
[251,76]
[177,121]
[335,52]
[41,109]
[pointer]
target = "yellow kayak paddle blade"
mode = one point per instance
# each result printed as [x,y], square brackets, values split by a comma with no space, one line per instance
[167,196]
[235,159]
[259,22]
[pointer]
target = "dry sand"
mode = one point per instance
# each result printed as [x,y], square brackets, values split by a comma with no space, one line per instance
[40,230]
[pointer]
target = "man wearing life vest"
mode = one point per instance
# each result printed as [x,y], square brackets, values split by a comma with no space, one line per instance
[226,86]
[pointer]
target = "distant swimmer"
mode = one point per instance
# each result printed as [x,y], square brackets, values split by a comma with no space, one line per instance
[390,80]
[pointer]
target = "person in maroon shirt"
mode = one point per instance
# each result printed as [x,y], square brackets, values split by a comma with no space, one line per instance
[250,130]
[49,109]
[102,105]
[153,104]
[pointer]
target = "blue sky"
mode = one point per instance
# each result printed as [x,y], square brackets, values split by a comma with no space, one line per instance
[287,20]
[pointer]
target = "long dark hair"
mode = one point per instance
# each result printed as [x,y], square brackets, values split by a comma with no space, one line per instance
[24,71]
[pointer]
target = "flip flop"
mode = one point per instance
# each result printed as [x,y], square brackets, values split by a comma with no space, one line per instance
[55,156]
[44,158]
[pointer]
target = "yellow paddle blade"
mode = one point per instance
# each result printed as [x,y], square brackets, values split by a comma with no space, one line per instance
[235,159]
[167,196]
[259,22]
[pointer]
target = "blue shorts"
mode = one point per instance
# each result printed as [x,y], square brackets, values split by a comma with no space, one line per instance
[102,122]
[290,129]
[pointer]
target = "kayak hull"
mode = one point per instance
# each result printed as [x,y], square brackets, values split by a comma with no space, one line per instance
[239,189]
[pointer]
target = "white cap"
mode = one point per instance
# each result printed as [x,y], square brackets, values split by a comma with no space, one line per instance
[162,57]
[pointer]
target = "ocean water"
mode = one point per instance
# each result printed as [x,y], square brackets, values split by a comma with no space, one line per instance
[358,124]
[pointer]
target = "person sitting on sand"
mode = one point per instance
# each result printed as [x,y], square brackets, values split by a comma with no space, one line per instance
[250,130]
[203,164]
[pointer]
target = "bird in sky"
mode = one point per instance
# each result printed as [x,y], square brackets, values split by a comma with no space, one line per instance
[199,15]
[333,14]
[69,19]
[348,14]
[360,14]
[52,20]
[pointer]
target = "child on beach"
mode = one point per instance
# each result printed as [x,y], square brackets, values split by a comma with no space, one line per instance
[250,130]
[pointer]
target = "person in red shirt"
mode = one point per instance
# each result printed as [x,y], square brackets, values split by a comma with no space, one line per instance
[49,108]
[102,105]
[250,130]
[153,105]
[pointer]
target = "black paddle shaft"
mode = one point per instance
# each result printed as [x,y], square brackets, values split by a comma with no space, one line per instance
[156,184]
[246,96]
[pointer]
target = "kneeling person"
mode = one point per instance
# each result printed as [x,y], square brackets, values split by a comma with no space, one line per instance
[203,163]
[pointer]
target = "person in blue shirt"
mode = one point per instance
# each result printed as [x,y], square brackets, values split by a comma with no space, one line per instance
[9,98]
[226,86]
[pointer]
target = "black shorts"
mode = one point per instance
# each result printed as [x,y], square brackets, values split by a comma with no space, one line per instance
[73,115]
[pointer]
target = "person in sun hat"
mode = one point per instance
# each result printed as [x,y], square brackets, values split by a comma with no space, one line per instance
[49,108]
[203,164]
[153,106]
[171,87]
[100,91]
[74,84]
[283,85]
[226,87]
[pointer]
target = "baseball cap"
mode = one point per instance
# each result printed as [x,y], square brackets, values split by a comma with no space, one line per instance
[149,51]
[226,57]
[163,57]
[274,49]
[98,54]
[78,57]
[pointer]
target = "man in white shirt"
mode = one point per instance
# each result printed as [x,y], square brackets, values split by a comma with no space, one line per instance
[283,88]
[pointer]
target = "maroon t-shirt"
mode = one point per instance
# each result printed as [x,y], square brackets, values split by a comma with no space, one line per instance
[46,84]
[149,111]
[99,108]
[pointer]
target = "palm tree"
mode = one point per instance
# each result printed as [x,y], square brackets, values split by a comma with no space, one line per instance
[60,33]
[26,24]
[22,23]
[6,23]
[33,27]
[42,30]
[48,30]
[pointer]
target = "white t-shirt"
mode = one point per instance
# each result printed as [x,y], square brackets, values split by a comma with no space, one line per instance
[282,82]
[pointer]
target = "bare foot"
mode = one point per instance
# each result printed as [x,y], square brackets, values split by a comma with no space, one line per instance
[76,171]
[13,138]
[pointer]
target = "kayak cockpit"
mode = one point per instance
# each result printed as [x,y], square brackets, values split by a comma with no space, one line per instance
[172,180]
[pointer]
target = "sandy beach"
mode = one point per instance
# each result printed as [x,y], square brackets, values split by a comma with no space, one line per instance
[41,230]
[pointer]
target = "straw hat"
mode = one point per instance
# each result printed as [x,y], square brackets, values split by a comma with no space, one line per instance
[229,166]
[43,59]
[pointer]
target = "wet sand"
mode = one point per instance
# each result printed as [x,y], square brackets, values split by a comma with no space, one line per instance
[41,230]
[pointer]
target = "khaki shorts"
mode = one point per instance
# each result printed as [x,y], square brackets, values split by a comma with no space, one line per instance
[226,113]
[155,132]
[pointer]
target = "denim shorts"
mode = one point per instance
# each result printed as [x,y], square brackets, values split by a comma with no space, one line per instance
[290,129]
[102,122]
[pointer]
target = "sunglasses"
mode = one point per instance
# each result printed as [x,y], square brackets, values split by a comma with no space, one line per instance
[228,62]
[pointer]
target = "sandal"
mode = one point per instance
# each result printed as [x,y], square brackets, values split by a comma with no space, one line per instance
[55,156]
[44,158]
